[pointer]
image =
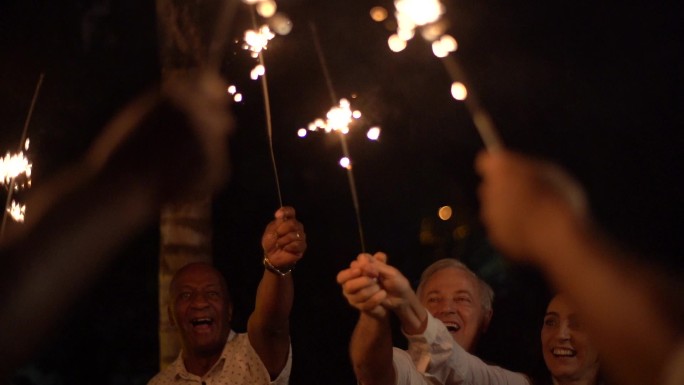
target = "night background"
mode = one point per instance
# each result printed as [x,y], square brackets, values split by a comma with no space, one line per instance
[596,88]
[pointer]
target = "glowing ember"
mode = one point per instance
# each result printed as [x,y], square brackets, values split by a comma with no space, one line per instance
[17,211]
[257,71]
[12,166]
[257,41]
[266,8]
[459,91]
[346,163]
[301,132]
[423,14]
[378,14]
[338,119]
[373,133]
[237,97]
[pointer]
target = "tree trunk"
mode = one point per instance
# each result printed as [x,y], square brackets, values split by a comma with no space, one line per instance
[184,28]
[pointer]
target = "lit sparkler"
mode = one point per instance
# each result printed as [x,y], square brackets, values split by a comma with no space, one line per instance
[425,17]
[338,119]
[17,211]
[14,166]
[256,41]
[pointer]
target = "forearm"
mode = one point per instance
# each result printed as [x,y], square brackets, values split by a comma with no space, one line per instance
[371,351]
[412,315]
[268,326]
[616,298]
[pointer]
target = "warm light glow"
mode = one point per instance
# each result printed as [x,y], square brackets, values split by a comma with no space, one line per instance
[444,213]
[237,97]
[418,12]
[373,133]
[346,163]
[356,114]
[26,144]
[281,24]
[459,91]
[257,71]
[445,45]
[337,119]
[396,44]
[231,89]
[301,132]
[266,8]
[257,41]
[11,166]
[17,211]
[378,14]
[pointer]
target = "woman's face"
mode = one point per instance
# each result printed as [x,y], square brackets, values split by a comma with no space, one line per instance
[568,353]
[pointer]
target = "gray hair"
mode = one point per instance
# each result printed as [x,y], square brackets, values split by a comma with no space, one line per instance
[486,292]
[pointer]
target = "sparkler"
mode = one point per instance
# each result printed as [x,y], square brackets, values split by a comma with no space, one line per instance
[338,120]
[12,166]
[256,41]
[424,16]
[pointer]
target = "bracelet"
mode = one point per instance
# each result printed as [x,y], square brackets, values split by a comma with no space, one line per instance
[281,272]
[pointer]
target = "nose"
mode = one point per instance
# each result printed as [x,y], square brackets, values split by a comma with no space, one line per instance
[446,307]
[564,332]
[199,301]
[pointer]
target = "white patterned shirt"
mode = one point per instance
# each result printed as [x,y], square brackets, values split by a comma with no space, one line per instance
[239,364]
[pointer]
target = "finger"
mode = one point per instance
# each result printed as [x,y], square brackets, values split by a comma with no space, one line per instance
[285,213]
[380,256]
[375,300]
[347,274]
[360,283]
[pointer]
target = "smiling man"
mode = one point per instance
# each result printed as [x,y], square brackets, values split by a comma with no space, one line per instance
[201,311]
[442,322]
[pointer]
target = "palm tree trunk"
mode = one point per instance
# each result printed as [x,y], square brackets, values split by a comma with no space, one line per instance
[184,27]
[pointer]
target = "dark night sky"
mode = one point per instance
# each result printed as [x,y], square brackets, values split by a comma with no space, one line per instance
[598,89]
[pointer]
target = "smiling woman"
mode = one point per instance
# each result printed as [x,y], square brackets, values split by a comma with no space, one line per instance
[568,353]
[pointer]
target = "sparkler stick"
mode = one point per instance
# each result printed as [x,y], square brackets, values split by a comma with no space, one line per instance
[483,122]
[343,141]
[267,109]
[22,142]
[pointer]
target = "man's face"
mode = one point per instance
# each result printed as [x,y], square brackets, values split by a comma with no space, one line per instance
[200,310]
[567,351]
[453,296]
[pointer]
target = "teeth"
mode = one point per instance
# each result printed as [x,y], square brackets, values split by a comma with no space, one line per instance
[452,327]
[563,352]
[198,321]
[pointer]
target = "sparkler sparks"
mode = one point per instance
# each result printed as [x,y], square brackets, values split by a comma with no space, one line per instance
[338,119]
[13,166]
[425,16]
[256,41]
[17,211]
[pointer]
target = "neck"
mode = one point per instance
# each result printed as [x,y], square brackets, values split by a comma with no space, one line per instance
[589,380]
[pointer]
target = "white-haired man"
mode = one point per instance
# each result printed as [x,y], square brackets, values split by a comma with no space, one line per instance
[442,322]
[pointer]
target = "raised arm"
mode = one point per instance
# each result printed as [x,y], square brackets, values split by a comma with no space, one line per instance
[371,342]
[532,213]
[284,243]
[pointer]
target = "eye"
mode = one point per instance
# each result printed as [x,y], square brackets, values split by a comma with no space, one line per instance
[463,298]
[184,295]
[433,299]
[213,294]
[550,322]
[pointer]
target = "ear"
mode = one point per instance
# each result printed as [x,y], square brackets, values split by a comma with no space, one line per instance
[486,320]
[170,313]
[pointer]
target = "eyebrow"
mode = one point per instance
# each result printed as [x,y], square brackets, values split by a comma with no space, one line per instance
[551,313]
